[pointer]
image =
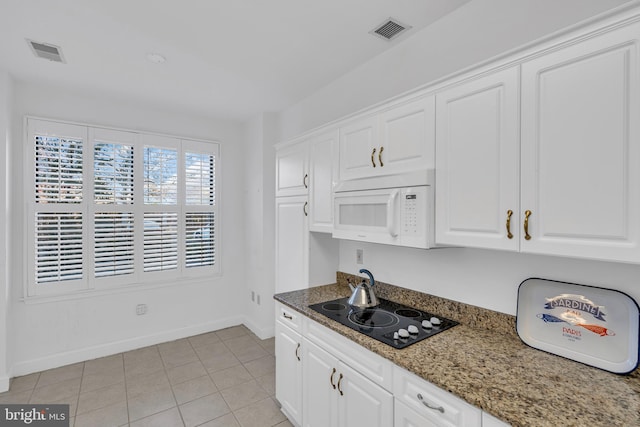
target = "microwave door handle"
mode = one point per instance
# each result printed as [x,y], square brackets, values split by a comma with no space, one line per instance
[391,213]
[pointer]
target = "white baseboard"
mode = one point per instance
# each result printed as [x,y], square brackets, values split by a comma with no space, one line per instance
[61,359]
[261,331]
[4,384]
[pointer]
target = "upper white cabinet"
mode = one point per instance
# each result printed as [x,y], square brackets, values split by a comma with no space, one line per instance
[477,162]
[397,140]
[292,170]
[292,243]
[581,149]
[322,158]
[554,169]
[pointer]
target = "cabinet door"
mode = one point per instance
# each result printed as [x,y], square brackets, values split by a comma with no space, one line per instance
[292,244]
[289,372]
[322,157]
[358,139]
[292,170]
[320,379]
[407,137]
[581,149]
[361,402]
[477,172]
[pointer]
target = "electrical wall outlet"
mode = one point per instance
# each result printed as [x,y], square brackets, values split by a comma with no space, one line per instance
[141,309]
[359,256]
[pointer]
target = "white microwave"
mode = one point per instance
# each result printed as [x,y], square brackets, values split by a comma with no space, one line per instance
[392,216]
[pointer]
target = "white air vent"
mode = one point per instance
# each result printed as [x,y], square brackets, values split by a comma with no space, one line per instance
[46,51]
[389,29]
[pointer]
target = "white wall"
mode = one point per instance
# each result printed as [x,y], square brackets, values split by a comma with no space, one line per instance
[484,278]
[5,136]
[259,214]
[474,33]
[52,333]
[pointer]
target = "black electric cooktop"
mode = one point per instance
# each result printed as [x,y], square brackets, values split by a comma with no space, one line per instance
[387,318]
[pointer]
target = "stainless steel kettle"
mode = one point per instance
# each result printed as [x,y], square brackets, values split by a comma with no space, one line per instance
[363,295]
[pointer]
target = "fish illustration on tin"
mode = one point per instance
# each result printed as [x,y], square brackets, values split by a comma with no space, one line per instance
[550,319]
[600,330]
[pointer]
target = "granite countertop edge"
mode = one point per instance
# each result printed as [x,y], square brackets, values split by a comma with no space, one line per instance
[484,362]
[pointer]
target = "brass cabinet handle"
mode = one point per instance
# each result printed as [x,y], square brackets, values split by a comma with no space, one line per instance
[509,213]
[527,214]
[380,156]
[297,355]
[305,180]
[304,209]
[435,408]
[340,381]
[373,160]
[331,378]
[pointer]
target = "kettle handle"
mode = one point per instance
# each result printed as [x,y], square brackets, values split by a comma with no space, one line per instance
[368,273]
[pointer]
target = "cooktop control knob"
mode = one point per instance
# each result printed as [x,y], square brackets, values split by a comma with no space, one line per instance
[403,333]
[395,336]
[435,321]
[426,324]
[412,329]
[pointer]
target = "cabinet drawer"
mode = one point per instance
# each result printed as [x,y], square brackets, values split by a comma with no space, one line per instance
[444,408]
[289,317]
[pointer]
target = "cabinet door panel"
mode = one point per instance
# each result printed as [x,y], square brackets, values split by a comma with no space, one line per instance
[319,396]
[292,244]
[477,173]
[322,155]
[357,141]
[362,403]
[580,149]
[408,137]
[289,372]
[291,169]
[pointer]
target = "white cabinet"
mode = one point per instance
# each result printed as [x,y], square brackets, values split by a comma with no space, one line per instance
[562,176]
[322,158]
[292,243]
[477,162]
[289,369]
[581,149]
[397,140]
[336,395]
[420,403]
[491,421]
[292,170]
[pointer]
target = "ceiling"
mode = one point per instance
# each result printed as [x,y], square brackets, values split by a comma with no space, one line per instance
[227,59]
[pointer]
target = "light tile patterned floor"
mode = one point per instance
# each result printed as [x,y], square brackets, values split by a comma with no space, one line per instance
[224,378]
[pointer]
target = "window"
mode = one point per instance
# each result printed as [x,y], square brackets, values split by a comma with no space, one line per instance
[113,208]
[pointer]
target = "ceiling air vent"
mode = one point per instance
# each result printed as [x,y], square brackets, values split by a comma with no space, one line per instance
[389,29]
[46,51]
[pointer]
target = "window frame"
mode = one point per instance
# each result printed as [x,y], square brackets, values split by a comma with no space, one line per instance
[90,136]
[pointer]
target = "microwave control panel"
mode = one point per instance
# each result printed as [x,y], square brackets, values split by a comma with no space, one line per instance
[409,215]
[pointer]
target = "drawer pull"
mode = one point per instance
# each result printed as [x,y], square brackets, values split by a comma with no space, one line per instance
[435,408]
[297,355]
[339,382]
[331,378]
[286,316]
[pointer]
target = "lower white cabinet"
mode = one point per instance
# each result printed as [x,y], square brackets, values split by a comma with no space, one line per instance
[420,403]
[334,394]
[289,372]
[326,380]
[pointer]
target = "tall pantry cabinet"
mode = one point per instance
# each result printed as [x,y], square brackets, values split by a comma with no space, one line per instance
[305,175]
